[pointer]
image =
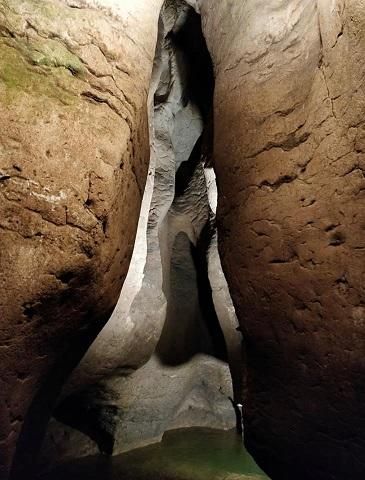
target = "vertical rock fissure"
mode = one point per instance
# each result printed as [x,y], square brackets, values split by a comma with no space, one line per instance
[193,211]
[174,327]
[191,325]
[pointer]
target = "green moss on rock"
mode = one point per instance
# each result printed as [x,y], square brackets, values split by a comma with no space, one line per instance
[51,53]
[19,76]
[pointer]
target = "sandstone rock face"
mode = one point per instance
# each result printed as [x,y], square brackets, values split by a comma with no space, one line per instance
[74,79]
[289,156]
[154,366]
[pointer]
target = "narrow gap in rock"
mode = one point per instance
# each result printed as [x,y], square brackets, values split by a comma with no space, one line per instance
[170,357]
[191,324]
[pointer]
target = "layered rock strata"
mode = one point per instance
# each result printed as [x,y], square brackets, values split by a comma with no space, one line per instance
[288,154]
[289,113]
[74,151]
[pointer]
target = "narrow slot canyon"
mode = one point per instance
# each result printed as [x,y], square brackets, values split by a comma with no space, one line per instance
[182,240]
[162,361]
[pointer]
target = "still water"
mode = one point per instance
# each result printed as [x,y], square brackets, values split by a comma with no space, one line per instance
[185,454]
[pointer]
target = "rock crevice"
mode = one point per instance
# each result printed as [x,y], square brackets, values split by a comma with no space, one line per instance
[170,330]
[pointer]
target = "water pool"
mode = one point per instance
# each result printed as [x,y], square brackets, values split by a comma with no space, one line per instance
[184,454]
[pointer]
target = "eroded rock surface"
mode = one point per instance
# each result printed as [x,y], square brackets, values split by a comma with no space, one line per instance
[74,79]
[121,396]
[289,156]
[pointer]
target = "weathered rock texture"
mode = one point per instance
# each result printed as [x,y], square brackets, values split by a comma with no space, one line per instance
[157,364]
[289,115]
[288,152]
[74,79]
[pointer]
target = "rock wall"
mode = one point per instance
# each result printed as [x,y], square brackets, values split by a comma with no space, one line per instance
[289,156]
[159,363]
[288,120]
[74,79]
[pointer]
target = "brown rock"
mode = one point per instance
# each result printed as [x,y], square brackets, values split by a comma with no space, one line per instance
[73,159]
[289,115]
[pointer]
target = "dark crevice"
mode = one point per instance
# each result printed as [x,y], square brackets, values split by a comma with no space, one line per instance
[37,418]
[189,264]
[200,80]
[199,254]
[91,416]
[186,170]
